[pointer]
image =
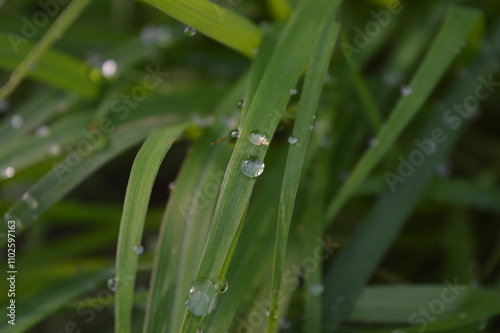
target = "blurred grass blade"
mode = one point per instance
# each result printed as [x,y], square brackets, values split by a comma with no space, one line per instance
[280,9]
[282,74]
[455,29]
[214,21]
[36,307]
[142,177]
[70,13]
[297,151]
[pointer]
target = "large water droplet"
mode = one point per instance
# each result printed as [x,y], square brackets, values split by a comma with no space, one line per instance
[223,285]
[292,140]
[233,136]
[8,172]
[42,132]
[202,297]
[31,202]
[316,289]
[109,68]
[252,166]
[112,284]
[406,90]
[16,121]
[258,139]
[190,31]
[293,91]
[138,249]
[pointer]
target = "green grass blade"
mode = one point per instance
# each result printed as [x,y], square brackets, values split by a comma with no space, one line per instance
[142,177]
[301,132]
[70,13]
[455,29]
[214,21]
[36,307]
[265,110]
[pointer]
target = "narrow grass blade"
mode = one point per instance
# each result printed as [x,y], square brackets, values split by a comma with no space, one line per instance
[214,21]
[70,13]
[34,308]
[456,28]
[300,140]
[282,74]
[142,177]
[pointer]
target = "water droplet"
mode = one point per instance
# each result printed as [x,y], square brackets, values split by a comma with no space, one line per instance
[55,149]
[233,136]
[16,121]
[443,170]
[373,142]
[171,186]
[293,91]
[202,297]
[223,285]
[292,140]
[316,289]
[31,202]
[311,127]
[8,172]
[399,331]
[4,105]
[138,249]
[159,35]
[327,79]
[284,323]
[240,104]
[258,139]
[252,166]
[190,31]
[109,68]
[406,90]
[42,132]
[112,284]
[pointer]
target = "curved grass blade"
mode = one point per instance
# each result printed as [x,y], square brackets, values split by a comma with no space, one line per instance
[282,74]
[142,177]
[43,303]
[214,21]
[70,13]
[455,29]
[301,132]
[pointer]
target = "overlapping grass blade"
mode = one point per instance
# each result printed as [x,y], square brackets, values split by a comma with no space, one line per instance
[362,253]
[185,224]
[215,22]
[142,177]
[301,132]
[455,29]
[70,13]
[265,110]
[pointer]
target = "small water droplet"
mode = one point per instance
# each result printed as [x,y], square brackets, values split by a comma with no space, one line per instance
[190,31]
[112,284]
[293,91]
[373,142]
[233,136]
[109,68]
[316,289]
[406,90]
[4,105]
[31,202]
[443,170]
[292,140]
[171,186]
[252,166]
[42,132]
[159,35]
[399,331]
[311,127]
[284,324]
[223,285]
[55,149]
[327,79]
[202,297]
[138,249]
[8,172]
[481,326]
[240,104]
[258,139]
[16,121]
